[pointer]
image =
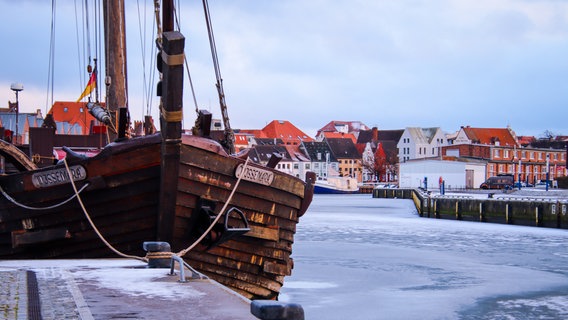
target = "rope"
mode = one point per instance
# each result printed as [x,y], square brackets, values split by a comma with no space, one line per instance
[186,250]
[163,255]
[171,116]
[44,208]
[229,134]
[159,255]
[91,221]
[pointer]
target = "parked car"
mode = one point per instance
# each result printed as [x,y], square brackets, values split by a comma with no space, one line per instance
[542,184]
[522,184]
[504,181]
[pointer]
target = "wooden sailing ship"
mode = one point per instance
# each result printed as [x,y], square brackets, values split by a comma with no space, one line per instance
[162,187]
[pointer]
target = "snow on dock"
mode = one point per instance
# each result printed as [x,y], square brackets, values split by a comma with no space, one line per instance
[111,288]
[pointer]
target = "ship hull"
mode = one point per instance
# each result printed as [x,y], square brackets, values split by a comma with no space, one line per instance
[120,192]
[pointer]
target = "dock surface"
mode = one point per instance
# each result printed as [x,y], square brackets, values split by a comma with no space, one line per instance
[110,289]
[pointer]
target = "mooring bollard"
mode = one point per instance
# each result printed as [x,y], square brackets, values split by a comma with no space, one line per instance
[155,257]
[276,310]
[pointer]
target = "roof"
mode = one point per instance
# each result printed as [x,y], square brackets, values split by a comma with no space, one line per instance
[352,126]
[286,131]
[254,132]
[317,150]
[260,154]
[366,136]
[503,136]
[268,141]
[525,140]
[388,139]
[389,147]
[390,135]
[296,154]
[73,113]
[343,148]
[422,135]
[340,135]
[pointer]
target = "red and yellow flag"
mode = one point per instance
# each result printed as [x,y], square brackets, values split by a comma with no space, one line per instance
[91,85]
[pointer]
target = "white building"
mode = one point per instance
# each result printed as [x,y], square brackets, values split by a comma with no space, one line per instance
[456,174]
[420,143]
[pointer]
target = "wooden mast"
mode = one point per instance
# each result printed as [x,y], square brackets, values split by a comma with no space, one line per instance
[172,57]
[115,60]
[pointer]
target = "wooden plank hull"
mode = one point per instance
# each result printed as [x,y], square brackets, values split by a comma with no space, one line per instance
[120,186]
[253,264]
[121,194]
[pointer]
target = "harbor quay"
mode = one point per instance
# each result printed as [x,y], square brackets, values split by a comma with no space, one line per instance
[529,207]
[122,289]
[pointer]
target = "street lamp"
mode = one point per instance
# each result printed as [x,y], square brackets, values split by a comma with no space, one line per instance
[520,172]
[547,170]
[17,87]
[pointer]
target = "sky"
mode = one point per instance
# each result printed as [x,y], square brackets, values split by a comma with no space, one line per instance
[388,64]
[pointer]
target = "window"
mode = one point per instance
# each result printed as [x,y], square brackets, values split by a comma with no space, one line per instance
[307,166]
[496,153]
[532,155]
[296,166]
[506,155]
[540,156]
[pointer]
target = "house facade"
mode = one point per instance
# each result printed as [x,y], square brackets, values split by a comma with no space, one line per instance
[504,155]
[348,158]
[420,143]
[322,160]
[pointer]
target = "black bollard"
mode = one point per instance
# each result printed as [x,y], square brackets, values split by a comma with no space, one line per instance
[154,248]
[276,310]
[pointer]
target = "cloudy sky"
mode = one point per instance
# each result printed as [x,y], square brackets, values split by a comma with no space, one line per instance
[390,64]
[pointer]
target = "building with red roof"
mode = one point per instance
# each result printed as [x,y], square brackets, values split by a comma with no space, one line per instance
[286,131]
[342,127]
[71,117]
[487,136]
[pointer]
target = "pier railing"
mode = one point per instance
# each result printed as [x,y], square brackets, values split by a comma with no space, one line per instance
[551,213]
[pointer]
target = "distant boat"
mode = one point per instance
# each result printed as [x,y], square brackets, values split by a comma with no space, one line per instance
[336,185]
[164,187]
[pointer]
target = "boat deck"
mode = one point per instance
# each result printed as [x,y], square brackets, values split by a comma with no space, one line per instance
[111,289]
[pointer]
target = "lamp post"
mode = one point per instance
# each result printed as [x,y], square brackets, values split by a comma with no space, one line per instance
[520,173]
[547,170]
[17,87]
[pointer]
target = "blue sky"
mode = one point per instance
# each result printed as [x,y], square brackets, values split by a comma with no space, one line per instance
[390,64]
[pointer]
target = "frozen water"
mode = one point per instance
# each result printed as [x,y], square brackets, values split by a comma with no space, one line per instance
[357,257]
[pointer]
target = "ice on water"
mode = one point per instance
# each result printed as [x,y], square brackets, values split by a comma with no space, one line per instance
[356,257]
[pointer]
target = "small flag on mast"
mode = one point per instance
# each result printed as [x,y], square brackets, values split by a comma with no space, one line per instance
[91,85]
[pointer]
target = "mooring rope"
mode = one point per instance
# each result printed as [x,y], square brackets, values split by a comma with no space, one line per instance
[186,250]
[76,194]
[93,224]
[158,255]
